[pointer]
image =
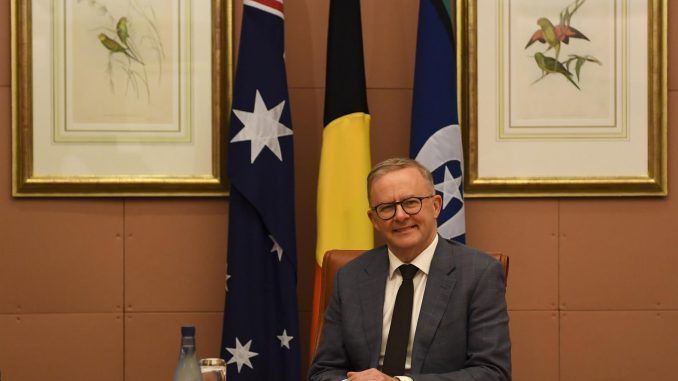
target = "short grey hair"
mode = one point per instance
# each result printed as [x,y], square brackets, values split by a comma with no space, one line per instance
[394,164]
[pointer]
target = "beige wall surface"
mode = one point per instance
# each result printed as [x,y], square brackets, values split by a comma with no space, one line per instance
[96,288]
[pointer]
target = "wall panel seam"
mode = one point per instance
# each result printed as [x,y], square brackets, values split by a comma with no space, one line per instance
[139,312]
[558,236]
[124,288]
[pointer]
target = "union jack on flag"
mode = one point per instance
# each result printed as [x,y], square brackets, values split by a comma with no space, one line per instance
[271,6]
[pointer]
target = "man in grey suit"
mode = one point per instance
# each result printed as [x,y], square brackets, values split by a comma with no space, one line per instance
[421,307]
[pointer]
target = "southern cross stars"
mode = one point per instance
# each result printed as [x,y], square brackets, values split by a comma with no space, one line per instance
[241,354]
[449,187]
[284,339]
[262,128]
[277,248]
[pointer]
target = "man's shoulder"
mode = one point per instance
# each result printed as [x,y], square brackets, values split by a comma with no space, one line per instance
[365,260]
[464,255]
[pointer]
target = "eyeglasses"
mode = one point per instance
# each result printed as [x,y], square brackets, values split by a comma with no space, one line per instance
[410,205]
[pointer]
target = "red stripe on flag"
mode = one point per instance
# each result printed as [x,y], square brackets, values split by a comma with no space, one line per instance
[275,4]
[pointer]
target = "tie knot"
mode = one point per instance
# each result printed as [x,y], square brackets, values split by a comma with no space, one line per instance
[408,271]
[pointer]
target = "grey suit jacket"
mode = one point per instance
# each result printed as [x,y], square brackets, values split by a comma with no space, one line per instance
[462,332]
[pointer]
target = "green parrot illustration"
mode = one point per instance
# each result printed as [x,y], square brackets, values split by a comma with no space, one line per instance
[111,44]
[549,33]
[563,32]
[121,29]
[549,65]
[114,46]
[554,35]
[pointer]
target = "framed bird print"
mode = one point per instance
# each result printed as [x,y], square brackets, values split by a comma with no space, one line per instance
[563,97]
[120,98]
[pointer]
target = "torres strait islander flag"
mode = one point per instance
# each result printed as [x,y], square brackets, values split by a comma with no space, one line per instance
[345,155]
[435,139]
[260,340]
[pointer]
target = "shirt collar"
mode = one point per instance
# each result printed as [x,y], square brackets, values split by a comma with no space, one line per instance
[422,261]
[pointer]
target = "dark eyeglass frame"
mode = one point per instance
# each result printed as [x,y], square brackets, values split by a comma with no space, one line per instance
[395,206]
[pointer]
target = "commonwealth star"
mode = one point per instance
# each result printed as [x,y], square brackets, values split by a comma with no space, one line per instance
[449,187]
[262,128]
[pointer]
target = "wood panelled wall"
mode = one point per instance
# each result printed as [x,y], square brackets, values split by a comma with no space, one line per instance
[96,288]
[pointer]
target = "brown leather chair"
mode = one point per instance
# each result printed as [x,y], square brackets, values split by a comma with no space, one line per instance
[333,260]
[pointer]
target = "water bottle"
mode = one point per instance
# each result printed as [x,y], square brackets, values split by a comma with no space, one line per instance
[188,368]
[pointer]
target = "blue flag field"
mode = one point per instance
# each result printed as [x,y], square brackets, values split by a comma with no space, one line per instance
[261,330]
[435,139]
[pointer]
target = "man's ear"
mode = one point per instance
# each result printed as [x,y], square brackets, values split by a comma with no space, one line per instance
[437,204]
[373,218]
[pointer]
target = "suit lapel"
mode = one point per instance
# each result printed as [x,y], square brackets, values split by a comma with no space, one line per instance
[372,289]
[439,286]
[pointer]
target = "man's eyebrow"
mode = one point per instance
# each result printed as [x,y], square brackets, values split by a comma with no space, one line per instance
[394,201]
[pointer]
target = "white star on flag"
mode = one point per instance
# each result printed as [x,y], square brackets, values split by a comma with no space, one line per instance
[285,340]
[262,128]
[241,354]
[449,187]
[277,248]
[226,283]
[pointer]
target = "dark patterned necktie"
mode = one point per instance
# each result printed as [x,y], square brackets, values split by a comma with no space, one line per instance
[399,333]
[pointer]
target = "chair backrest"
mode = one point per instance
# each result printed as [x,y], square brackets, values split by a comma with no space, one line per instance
[333,260]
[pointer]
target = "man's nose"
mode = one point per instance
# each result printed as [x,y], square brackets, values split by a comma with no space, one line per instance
[400,213]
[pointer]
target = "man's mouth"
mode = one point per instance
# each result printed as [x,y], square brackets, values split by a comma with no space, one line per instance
[404,229]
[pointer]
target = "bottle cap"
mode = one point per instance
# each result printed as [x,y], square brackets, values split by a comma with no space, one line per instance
[212,362]
[187,330]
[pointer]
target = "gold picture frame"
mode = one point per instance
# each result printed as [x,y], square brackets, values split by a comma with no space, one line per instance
[517,80]
[117,100]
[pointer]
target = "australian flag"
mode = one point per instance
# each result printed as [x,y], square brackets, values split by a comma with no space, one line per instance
[435,139]
[261,331]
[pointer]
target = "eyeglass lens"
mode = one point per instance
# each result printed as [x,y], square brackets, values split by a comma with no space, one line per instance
[410,206]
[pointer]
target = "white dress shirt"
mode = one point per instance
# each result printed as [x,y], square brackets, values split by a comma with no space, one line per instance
[393,282]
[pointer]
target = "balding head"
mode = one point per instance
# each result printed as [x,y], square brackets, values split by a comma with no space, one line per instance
[394,164]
